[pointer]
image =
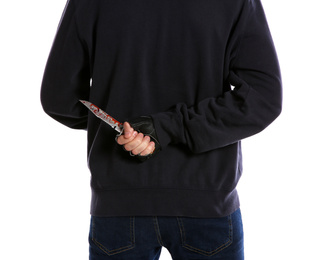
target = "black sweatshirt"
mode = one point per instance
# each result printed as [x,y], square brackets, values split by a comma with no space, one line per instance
[206,71]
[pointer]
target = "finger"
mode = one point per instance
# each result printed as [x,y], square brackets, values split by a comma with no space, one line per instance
[142,146]
[134,143]
[149,150]
[127,130]
[122,140]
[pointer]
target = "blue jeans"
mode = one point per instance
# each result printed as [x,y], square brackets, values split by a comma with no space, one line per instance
[142,238]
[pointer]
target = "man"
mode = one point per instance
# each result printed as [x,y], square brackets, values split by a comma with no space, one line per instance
[190,79]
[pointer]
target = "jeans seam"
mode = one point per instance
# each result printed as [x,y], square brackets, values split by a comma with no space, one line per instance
[156,226]
[200,251]
[181,229]
[118,250]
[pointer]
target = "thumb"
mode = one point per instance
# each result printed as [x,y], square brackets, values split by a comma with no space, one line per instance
[127,130]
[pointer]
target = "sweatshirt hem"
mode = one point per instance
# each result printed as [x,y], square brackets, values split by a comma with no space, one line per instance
[163,202]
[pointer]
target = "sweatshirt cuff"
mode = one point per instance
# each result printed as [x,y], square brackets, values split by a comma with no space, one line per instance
[169,128]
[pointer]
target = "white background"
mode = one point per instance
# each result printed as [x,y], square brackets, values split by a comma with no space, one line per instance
[45,212]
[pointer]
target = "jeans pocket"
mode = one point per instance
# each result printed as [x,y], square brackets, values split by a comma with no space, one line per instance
[113,235]
[206,236]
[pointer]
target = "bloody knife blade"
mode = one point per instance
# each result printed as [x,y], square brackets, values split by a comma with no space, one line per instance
[115,124]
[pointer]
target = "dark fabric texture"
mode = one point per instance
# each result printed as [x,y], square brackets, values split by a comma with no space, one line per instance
[207,74]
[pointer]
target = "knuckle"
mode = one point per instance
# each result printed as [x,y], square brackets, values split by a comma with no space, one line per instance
[149,149]
[129,147]
[121,140]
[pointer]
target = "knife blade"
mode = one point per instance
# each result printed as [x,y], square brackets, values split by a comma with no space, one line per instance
[115,124]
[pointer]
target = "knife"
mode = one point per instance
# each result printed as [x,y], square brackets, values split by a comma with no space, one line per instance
[115,124]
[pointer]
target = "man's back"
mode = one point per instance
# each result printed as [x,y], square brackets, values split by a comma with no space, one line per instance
[205,71]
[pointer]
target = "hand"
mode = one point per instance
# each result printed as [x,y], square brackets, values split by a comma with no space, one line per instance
[134,142]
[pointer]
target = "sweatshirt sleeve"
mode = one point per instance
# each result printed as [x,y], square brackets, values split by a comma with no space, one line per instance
[254,102]
[67,74]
